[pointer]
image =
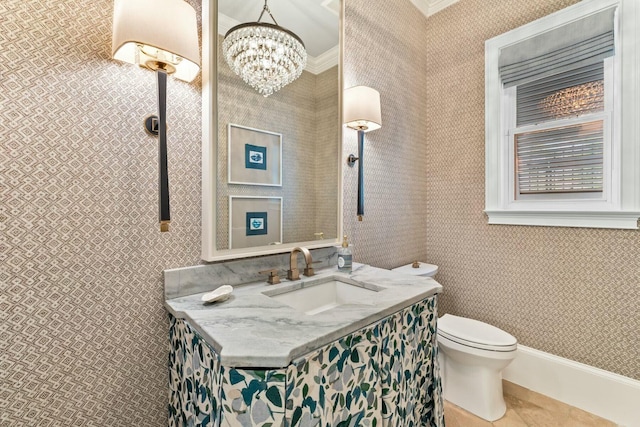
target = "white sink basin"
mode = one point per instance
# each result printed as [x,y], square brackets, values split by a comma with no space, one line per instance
[322,295]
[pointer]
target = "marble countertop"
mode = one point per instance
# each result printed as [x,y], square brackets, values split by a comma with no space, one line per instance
[251,329]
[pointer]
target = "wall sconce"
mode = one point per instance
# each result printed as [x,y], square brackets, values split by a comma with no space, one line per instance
[161,35]
[362,113]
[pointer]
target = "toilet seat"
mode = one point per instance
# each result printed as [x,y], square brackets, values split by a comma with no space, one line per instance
[475,334]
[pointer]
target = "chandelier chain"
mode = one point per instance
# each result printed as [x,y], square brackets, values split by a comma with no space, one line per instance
[266,9]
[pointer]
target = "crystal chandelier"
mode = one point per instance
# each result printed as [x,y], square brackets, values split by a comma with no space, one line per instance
[266,56]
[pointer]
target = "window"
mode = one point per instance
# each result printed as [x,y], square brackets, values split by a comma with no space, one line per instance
[562,139]
[560,131]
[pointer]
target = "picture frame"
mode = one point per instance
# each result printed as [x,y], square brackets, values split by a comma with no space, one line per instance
[254,221]
[255,156]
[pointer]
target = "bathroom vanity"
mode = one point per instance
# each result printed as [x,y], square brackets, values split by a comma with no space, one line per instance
[366,356]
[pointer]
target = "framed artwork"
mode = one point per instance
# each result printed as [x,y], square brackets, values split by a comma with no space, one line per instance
[255,156]
[254,221]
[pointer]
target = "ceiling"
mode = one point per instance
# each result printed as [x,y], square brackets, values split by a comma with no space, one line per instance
[316,22]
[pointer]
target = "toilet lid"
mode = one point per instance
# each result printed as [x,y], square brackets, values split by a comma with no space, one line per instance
[474,333]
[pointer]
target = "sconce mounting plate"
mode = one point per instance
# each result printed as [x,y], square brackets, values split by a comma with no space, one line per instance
[151,125]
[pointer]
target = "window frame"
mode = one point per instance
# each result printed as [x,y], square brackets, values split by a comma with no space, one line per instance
[620,205]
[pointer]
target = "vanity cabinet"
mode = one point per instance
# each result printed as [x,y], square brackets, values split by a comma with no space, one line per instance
[385,374]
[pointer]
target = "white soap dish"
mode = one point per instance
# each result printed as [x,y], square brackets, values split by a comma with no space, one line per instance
[220,294]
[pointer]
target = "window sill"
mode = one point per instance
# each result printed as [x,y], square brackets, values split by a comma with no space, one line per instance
[618,219]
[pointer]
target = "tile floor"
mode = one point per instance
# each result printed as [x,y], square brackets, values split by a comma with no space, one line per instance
[526,408]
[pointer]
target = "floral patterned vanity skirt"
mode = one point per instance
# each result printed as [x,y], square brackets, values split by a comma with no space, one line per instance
[386,374]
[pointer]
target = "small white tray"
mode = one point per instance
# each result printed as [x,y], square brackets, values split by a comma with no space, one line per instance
[220,294]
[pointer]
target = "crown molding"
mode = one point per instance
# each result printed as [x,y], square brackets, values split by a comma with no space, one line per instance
[332,6]
[436,6]
[422,5]
[324,61]
[430,7]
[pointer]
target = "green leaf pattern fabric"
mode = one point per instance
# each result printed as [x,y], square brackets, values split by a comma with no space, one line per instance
[252,397]
[337,384]
[409,371]
[194,378]
[385,375]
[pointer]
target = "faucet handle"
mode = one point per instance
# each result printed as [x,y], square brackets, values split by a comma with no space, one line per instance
[273,278]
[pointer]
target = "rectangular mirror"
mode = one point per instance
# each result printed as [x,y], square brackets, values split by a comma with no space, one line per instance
[271,168]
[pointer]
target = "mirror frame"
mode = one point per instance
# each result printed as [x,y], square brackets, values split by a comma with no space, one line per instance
[210,252]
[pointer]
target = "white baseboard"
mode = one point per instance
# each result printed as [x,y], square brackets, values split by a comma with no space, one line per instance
[605,394]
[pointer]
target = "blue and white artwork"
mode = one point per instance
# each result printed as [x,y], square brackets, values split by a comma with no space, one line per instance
[255,157]
[256,223]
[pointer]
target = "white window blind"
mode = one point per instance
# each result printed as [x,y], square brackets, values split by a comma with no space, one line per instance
[561,160]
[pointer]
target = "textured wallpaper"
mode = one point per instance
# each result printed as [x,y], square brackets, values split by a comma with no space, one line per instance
[567,291]
[83,332]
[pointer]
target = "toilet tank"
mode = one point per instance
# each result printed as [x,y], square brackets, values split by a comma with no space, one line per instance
[418,269]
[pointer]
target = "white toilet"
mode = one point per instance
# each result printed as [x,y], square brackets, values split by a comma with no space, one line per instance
[472,355]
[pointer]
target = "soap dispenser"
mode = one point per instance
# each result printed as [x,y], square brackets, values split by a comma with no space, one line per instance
[345,258]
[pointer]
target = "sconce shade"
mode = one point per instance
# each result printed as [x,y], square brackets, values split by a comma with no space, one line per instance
[362,108]
[157,34]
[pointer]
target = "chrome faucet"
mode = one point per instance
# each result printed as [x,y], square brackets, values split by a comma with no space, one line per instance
[293,273]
